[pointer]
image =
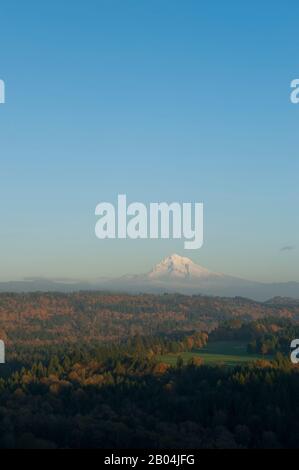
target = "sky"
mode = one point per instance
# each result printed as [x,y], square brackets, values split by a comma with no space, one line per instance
[162,101]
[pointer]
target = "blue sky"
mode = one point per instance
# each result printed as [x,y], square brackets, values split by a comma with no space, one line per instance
[163,101]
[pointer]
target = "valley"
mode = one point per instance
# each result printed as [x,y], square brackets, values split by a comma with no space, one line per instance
[226,353]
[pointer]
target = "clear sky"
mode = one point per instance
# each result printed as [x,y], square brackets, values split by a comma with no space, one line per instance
[164,101]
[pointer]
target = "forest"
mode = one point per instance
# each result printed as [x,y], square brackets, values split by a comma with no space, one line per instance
[51,318]
[84,370]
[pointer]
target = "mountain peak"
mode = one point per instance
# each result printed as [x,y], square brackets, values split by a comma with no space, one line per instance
[178,267]
[177,259]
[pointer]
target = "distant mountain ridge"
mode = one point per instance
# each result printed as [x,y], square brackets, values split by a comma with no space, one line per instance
[180,274]
[174,273]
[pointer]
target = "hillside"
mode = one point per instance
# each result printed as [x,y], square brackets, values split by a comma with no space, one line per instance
[39,318]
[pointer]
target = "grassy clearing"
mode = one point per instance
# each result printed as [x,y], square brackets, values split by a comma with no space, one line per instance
[229,353]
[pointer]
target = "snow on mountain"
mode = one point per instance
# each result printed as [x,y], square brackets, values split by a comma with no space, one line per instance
[178,267]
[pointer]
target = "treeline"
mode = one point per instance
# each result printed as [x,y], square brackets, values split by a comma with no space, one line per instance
[44,319]
[265,336]
[273,342]
[138,348]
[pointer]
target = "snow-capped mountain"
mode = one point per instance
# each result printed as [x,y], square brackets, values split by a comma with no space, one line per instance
[177,267]
[173,274]
[180,274]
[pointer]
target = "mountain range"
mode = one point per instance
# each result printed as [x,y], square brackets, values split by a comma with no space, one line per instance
[173,274]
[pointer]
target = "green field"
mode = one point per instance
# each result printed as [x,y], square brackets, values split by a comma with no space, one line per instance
[229,353]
